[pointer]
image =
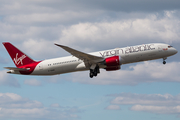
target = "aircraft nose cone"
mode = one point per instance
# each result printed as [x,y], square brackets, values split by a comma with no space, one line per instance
[175,51]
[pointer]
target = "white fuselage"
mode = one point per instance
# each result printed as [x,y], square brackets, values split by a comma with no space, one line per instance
[127,55]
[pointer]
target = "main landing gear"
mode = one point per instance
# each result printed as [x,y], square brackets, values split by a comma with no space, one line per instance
[164,62]
[94,72]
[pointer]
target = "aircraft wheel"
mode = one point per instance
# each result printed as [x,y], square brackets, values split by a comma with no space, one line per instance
[91,75]
[164,62]
[95,73]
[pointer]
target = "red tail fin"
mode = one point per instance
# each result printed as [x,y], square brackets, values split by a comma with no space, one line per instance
[18,57]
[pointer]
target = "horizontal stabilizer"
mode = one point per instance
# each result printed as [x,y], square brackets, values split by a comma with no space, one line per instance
[16,69]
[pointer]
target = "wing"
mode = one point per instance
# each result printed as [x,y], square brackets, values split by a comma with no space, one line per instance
[81,55]
[16,69]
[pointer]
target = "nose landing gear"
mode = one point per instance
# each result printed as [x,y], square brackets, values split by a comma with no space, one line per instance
[164,62]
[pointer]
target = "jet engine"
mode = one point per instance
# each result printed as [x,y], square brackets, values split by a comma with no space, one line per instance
[113,63]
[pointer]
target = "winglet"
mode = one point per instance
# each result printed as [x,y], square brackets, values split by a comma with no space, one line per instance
[59,45]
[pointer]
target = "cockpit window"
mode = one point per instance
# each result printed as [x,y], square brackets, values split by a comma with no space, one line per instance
[170,46]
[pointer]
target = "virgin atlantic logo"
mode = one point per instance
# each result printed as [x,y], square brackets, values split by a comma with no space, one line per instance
[19,60]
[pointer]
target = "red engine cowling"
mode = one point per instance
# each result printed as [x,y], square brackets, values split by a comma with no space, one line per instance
[112,63]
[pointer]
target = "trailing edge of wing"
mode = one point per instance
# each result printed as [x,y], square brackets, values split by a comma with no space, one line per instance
[81,55]
[16,69]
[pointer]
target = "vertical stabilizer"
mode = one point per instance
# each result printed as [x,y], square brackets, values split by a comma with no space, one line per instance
[18,57]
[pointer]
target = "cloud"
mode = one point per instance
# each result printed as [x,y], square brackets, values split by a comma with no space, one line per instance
[8,80]
[153,103]
[157,109]
[40,33]
[149,28]
[32,82]
[16,107]
[113,107]
[144,99]
[55,105]
[130,5]
[49,18]
[12,101]
[84,5]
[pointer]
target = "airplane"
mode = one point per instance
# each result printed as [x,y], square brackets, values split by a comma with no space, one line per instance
[110,60]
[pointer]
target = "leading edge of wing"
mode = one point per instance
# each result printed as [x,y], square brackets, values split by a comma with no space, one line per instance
[81,55]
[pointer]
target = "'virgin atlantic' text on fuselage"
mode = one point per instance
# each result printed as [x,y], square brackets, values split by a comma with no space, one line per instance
[127,50]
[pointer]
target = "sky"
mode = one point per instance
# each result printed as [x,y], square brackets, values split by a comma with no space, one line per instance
[145,90]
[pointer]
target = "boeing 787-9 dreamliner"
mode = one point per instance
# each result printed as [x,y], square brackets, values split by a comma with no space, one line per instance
[110,60]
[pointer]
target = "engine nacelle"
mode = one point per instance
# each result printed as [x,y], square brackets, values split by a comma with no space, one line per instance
[113,68]
[113,63]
